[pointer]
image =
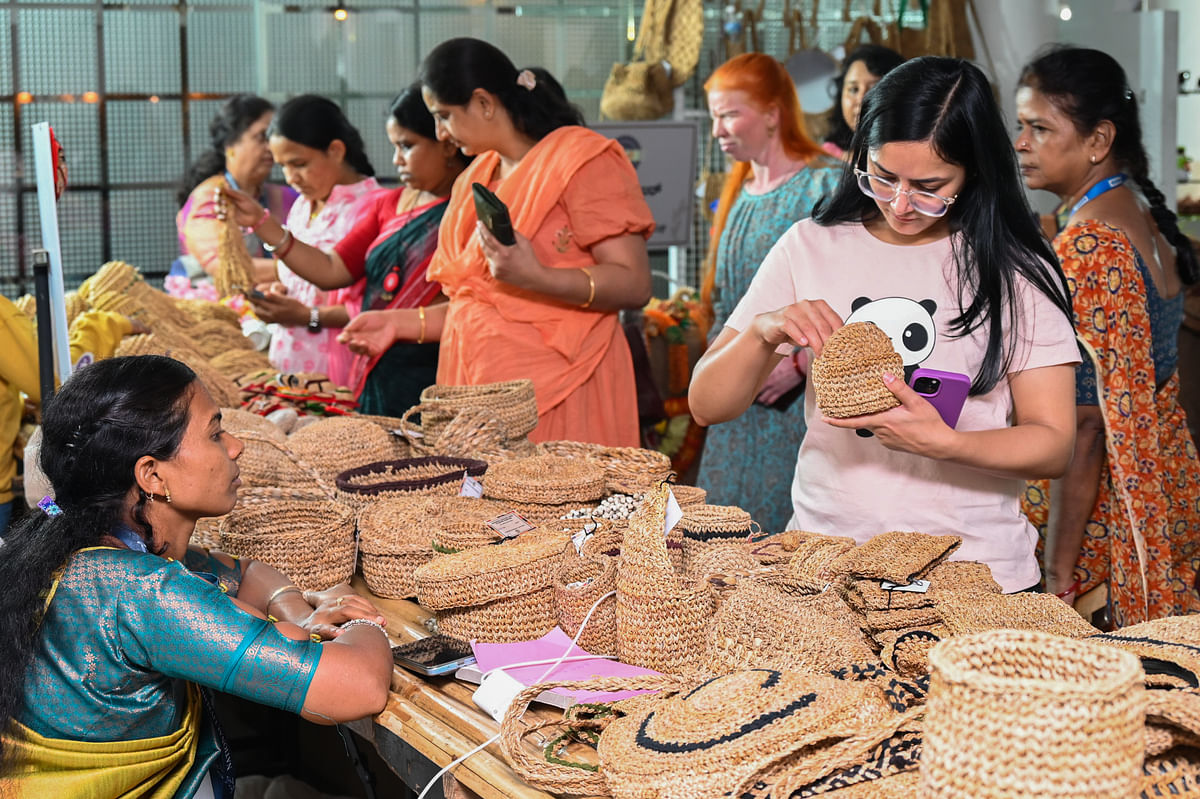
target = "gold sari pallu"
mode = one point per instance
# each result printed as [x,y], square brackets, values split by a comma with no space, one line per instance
[147,768]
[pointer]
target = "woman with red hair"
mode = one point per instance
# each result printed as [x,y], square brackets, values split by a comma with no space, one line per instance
[778,176]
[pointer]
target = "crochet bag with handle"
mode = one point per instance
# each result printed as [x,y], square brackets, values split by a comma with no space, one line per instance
[665,55]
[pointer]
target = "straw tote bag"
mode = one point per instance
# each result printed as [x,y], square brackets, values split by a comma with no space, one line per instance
[665,55]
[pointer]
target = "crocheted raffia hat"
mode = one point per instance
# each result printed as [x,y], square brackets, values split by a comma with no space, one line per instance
[1169,648]
[848,376]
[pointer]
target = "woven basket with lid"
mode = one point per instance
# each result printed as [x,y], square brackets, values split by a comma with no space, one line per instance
[545,480]
[393,543]
[848,376]
[313,543]
[1014,713]
[499,593]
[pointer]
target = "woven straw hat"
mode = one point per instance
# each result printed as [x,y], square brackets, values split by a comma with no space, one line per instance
[312,543]
[969,612]
[1017,714]
[434,474]
[720,735]
[545,480]
[848,376]
[1176,773]
[267,462]
[760,627]
[333,445]
[393,543]
[1169,648]
[498,594]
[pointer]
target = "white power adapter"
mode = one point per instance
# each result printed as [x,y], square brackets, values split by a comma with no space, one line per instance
[496,692]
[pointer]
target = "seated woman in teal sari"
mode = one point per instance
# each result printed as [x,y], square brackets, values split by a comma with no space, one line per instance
[391,244]
[114,629]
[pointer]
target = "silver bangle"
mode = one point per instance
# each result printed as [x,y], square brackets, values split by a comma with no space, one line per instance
[356,622]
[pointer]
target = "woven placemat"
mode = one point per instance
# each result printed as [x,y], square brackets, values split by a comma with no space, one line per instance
[545,480]
[896,556]
[848,375]
[809,568]
[1017,713]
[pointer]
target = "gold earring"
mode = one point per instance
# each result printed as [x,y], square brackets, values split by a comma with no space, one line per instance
[167,493]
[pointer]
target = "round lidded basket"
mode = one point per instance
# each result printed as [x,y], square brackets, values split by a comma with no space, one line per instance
[848,377]
[340,442]
[545,480]
[394,542]
[511,402]
[500,593]
[632,470]
[1017,713]
[434,474]
[313,543]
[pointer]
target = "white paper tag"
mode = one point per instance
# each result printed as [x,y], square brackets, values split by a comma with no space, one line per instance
[915,587]
[674,513]
[496,692]
[509,525]
[470,487]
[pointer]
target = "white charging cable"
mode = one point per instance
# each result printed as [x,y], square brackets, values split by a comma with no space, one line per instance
[562,659]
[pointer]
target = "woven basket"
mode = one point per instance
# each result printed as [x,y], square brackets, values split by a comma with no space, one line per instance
[1169,648]
[512,403]
[1019,714]
[434,474]
[569,449]
[333,445]
[545,480]
[268,463]
[632,470]
[663,617]
[580,582]
[688,496]
[311,542]
[393,545]
[208,530]
[463,526]
[848,376]
[707,526]
[391,425]
[496,594]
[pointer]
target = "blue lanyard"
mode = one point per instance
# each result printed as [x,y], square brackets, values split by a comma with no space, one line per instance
[1097,190]
[129,538]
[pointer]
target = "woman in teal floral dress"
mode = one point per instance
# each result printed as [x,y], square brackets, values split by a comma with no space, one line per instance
[779,175]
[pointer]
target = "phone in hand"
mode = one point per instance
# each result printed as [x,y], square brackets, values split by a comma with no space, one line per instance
[493,214]
[255,294]
[946,391]
[434,655]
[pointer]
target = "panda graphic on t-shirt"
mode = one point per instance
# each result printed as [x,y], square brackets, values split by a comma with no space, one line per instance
[908,323]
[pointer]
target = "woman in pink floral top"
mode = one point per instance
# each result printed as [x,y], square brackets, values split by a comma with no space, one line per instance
[324,159]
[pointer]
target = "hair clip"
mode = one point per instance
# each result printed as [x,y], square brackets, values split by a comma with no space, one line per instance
[1128,94]
[526,79]
[49,507]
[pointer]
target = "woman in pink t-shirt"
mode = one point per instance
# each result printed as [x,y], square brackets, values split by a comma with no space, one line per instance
[930,237]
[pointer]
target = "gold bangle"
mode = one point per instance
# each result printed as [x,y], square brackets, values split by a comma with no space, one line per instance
[281,590]
[591,287]
[421,314]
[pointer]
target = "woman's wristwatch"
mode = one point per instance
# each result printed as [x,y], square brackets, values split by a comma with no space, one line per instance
[314,319]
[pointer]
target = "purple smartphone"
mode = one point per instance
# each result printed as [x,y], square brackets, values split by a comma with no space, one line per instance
[946,391]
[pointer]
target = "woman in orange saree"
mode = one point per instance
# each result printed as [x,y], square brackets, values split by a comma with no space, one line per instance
[545,307]
[1127,514]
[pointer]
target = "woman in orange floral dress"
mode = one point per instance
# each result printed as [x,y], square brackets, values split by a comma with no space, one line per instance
[1127,513]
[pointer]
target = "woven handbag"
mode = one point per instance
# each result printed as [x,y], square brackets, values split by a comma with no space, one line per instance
[393,543]
[313,543]
[495,594]
[511,402]
[633,470]
[970,612]
[663,617]
[896,556]
[434,474]
[1014,713]
[579,583]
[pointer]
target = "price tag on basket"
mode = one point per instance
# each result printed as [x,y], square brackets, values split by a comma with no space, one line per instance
[674,513]
[470,487]
[509,525]
[915,587]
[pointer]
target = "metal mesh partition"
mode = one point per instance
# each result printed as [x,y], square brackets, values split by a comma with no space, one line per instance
[130,89]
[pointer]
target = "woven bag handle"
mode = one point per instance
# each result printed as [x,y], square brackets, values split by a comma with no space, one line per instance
[325,488]
[513,729]
[471,430]
[414,436]
[651,44]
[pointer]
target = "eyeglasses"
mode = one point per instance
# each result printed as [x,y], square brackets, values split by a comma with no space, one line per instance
[884,190]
